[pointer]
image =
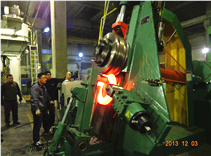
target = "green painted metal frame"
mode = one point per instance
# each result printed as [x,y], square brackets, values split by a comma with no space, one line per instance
[182,141]
[208,38]
[85,97]
[202,88]
[124,140]
[142,41]
[127,101]
[201,71]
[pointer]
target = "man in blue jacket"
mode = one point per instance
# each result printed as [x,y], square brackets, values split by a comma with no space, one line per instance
[39,101]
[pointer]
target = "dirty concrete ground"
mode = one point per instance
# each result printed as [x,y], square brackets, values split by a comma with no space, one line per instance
[18,138]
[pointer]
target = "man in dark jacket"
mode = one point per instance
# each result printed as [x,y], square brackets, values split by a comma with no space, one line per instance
[51,85]
[9,92]
[39,101]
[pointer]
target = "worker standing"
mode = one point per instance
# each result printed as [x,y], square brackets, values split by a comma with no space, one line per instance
[39,100]
[51,86]
[68,76]
[9,92]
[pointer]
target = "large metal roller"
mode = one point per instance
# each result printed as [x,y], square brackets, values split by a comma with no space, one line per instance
[111,54]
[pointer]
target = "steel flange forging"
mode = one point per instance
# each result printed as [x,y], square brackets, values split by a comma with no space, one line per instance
[111,54]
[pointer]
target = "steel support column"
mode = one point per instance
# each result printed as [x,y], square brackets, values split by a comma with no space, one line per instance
[58,38]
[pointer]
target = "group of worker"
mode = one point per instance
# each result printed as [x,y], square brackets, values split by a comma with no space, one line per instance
[43,96]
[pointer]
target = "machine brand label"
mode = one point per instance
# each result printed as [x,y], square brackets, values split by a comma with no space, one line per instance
[127,115]
[188,76]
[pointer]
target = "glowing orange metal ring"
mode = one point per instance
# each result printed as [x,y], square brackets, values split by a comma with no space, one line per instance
[106,99]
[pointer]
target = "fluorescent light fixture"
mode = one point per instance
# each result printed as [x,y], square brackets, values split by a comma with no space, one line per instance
[205,50]
[46,29]
[6,10]
[80,54]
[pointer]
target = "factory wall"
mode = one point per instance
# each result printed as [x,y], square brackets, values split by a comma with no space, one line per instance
[75,63]
[24,70]
[198,42]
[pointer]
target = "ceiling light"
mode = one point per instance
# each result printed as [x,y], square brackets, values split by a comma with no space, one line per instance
[46,29]
[205,50]
[80,54]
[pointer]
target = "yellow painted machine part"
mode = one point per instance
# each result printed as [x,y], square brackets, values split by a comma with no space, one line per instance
[176,95]
[102,19]
[31,32]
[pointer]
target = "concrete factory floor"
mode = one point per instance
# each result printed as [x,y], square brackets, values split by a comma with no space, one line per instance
[18,139]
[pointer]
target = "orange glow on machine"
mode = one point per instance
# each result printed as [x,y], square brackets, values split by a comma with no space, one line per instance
[105,100]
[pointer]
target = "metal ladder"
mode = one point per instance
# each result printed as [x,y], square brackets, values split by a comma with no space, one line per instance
[34,62]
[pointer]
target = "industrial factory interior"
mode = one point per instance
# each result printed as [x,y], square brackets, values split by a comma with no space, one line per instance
[105,78]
